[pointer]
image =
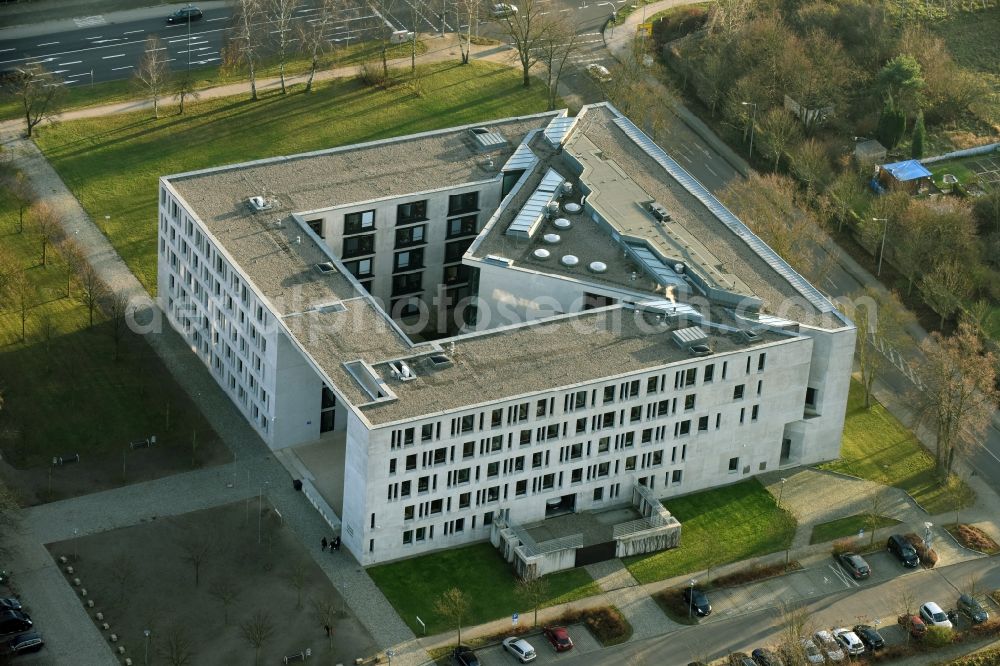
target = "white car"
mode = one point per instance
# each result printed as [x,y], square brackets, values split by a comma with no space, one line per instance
[826,642]
[933,616]
[599,72]
[520,648]
[502,10]
[813,655]
[849,641]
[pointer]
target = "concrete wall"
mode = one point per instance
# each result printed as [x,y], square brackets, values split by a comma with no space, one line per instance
[297,404]
[830,374]
[355,530]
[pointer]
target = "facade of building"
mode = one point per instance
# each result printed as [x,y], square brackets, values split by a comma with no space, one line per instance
[607,322]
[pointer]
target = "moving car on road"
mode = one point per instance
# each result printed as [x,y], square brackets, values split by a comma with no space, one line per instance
[932,615]
[559,638]
[599,72]
[869,636]
[519,648]
[186,15]
[855,565]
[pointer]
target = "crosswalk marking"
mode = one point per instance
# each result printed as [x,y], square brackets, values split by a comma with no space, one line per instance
[89,21]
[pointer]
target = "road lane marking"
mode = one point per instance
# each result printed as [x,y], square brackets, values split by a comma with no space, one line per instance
[72,62]
[47,44]
[58,71]
[221,18]
[120,55]
[5,50]
[115,69]
[72,76]
[133,32]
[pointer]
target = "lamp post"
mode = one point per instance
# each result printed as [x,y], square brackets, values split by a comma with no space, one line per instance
[390,653]
[753,121]
[781,490]
[145,658]
[189,41]
[881,252]
[260,499]
[691,598]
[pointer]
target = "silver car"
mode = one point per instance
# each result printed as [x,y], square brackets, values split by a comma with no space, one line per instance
[812,653]
[849,641]
[826,643]
[520,648]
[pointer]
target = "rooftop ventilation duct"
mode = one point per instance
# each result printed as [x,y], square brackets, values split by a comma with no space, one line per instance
[686,338]
[262,203]
[401,371]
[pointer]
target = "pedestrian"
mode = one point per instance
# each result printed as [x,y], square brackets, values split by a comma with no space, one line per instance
[336,543]
[328,630]
[324,543]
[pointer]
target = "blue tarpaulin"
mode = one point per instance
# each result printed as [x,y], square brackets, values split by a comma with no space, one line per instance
[908,170]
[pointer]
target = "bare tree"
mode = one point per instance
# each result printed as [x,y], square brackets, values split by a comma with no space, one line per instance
[184,87]
[297,577]
[313,35]
[73,259]
[9,264]
[794,627]
[281,14]
[560,42]
[21,291]
[247,39]
[176,647]
[46,331]
[153,71]
[946,287]
[117,306]
[959,392]
[19,189]
[46,225]
[842,192]
[122,572]
[527,29]
[453,606]
[873,517]
[326,614]
[225,590]
[197,548]
[37,92]
[257,630]
[778,129]
[880,319]
[534,592]
[91,287]
[470,10]
[384,8]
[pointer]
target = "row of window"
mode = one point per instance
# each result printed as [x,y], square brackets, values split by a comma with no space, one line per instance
[412,212]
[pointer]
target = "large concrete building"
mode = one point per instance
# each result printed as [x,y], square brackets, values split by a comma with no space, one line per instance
[608,323]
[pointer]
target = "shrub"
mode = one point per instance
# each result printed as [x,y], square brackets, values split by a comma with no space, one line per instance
[755,573]
[846,545]
[938,637]
[972,537]
[985,658]
[989,628]
[608,626]
[678,23]
[928,557]
[370,73]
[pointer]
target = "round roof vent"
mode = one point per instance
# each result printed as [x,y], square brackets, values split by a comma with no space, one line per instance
[569,260]
[572,207]
[552,239]
[562,223]
[541,253]
[598,266]
[678,268]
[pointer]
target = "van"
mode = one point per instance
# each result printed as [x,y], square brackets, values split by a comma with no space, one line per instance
[400,36]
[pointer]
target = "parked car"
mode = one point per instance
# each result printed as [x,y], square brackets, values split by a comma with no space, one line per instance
[186,15]
[970,606]
[849,641]
[740,659]
[913,624]
[520,648]
[599,72]
[14,622]
[766,657]
[870,637]
[932,615]
[811,652]
[502,10]
[697,601]
[30,641]
[855,565]
[824,639]
[904,551]
[10,603]
[559,638]
[464,656]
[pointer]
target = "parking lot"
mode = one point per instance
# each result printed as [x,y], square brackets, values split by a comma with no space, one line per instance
[583,643]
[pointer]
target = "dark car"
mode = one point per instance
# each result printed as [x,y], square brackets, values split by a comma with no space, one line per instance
[24,643]
[697,602]
[740,659]
[185,15]
[869,636]
[970,606]
[913,624]
[765,657]
[464,656]
[13,622]
[903,550]
[559,638]
[855,565]
[10,603]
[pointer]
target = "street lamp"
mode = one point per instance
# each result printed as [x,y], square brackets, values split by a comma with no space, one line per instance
[145,658]
[753,122]
[390,653]
[881,252]
[781,490]
[691,598]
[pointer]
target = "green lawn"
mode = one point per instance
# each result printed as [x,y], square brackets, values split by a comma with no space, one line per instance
[64,393]
[719,526]
[112,163]
[845,527]
[957,168]
[877,447]
[412,586]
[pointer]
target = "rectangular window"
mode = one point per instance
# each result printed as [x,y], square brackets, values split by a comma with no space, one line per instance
[468,449]
[738,392]
[598,494]
[811,397]
[411,461]
[463,226]
[609,394]
[651,385]
[423,484]
[413,211]
[493,470]
[407,236]
[464,500]
[437,506]
[355,246]
[409,260]
[677,476]
[359,222]
[685,427]
[521,488]
[407,537]
[581,425]
[453,251]
[760,361]
[753,412]
[316,226]
[457,274]
[537,459]
[404,489]
[408,512]
[690,377]
[708,373]
[548,481]
[467,202]
[421,533]
[407,283]
[630,464]
[702,424]
[496,418]
[734,464]
[603,469]
[603,444]
[493,494]
[689,402]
